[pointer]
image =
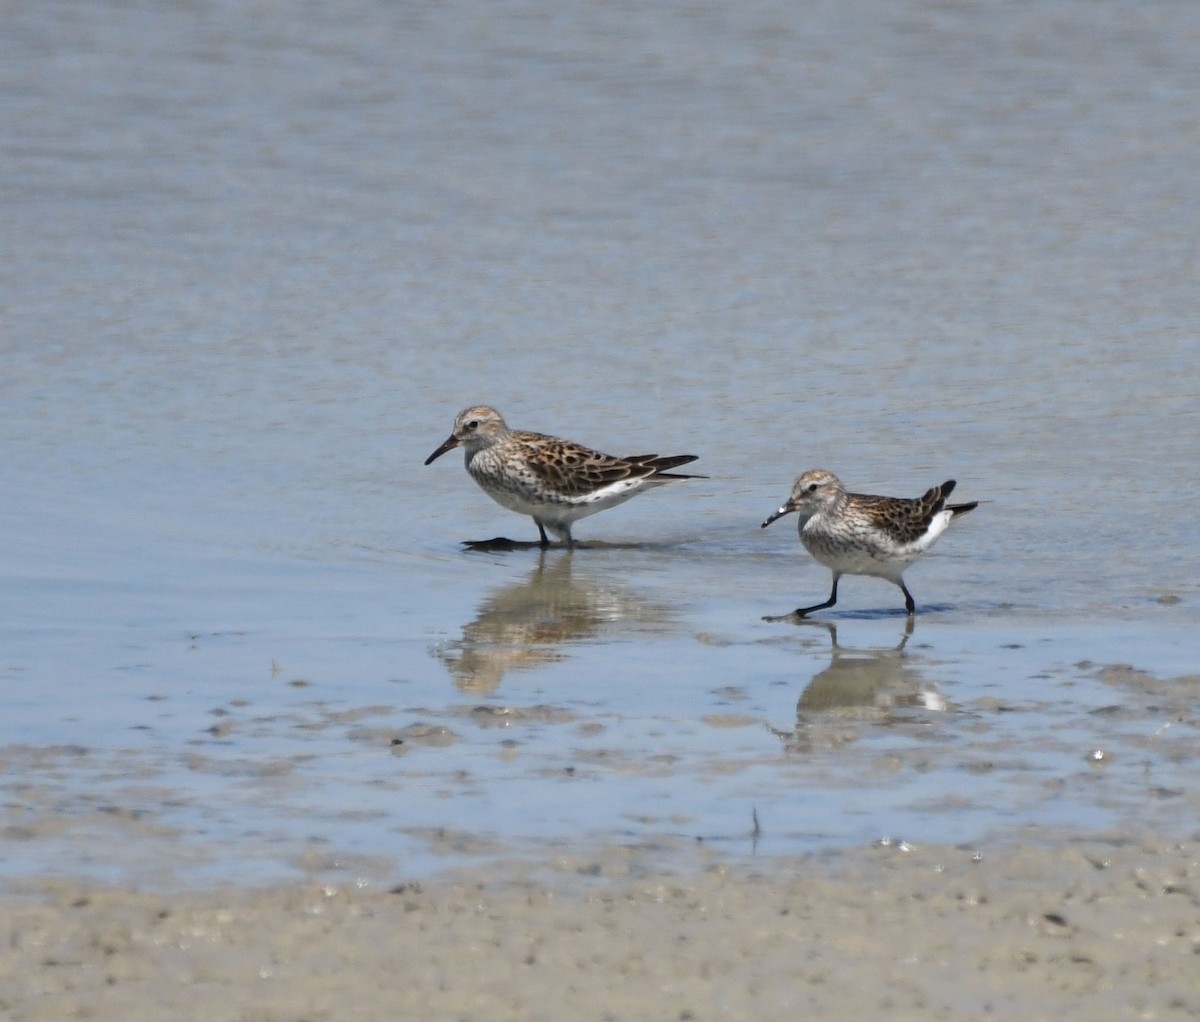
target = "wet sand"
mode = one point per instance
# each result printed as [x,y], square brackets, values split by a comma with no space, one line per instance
[1069,928]
[256,261]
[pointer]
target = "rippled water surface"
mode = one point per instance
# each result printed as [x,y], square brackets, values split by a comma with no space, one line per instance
[255,257]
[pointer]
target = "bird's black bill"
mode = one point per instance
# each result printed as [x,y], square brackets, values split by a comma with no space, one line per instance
[449,445]
[785,510]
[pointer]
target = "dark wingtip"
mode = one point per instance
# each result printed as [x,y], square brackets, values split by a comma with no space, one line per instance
[936,496]
[662,466]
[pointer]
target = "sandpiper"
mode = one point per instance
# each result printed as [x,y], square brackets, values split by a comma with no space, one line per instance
[555,481]
[859,534]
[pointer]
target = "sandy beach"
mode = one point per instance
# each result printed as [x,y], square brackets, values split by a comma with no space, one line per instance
[1069,929]
[277,744]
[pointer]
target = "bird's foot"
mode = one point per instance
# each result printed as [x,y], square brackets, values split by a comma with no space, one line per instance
[795,615]
[501,543]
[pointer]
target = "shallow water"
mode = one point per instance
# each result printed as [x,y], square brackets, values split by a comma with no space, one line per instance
[253,263]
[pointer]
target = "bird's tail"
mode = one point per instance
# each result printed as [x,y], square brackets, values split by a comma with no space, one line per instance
[935,498]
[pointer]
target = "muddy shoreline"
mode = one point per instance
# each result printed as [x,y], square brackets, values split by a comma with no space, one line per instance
[1074,927]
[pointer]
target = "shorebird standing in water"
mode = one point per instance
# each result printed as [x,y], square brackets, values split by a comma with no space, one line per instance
[860,534]
[554,481]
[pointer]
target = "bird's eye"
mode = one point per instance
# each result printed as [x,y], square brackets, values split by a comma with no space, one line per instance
[473,424]
[812,487]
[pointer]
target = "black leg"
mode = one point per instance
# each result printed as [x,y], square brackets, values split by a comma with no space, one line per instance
[909,603]
[545,541]
[802,611]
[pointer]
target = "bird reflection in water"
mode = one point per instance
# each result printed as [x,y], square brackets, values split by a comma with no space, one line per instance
[873,685]
[526,624]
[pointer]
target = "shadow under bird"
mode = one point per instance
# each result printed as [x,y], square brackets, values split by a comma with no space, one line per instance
[554,481]
[861,534]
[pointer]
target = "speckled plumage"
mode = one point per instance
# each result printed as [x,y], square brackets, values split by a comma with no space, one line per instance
[554,481]
[862,534]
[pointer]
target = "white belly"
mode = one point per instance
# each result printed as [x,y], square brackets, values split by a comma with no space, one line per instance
[527,495]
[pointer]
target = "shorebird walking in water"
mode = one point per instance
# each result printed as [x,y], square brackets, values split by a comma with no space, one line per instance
[860,534]
[554,481]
